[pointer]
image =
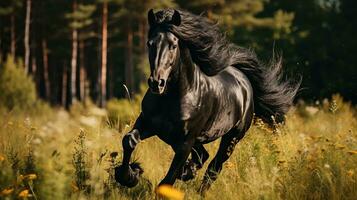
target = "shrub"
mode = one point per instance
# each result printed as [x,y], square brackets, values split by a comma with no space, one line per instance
[122,112]
[17,90]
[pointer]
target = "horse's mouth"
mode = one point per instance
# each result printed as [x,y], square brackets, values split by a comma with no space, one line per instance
[157,90]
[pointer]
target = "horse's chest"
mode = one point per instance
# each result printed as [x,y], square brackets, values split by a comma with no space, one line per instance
[167,128]
[162,117]
[169,120]
[163,122]
[173,119]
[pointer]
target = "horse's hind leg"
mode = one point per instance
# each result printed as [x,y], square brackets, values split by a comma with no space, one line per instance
[199,156]
[225,150]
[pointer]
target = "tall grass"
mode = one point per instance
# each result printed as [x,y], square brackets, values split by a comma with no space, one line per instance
[71,155]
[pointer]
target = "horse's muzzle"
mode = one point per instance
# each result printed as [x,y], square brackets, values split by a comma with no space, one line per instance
[156,86]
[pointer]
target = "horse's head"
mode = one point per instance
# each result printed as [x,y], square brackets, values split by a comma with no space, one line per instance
[163,51]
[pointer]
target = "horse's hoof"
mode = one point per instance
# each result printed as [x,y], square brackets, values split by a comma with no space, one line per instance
[128,177]
[188,171]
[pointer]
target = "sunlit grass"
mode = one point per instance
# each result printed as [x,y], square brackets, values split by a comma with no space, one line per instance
[71,155]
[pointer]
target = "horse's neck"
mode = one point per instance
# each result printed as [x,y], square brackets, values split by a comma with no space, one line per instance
[189,73]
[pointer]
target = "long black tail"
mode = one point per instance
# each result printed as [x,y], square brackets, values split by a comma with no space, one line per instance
[273,96]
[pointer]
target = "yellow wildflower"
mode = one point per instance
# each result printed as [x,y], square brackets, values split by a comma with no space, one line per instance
[24,193]
[229,165]
[340,146]
[74,187]
[169,192]
[31,176]
[7,191]
[352,152]
[350,173]
[21,177]
[2,158]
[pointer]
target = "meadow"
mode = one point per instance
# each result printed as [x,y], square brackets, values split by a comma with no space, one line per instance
[51,153]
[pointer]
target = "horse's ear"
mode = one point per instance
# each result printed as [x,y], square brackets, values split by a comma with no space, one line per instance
[151,17]
[176,18]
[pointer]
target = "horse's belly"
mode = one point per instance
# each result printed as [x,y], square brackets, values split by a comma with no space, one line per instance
[210,136]
[217,129]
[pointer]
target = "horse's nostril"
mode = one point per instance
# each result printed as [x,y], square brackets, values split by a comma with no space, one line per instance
[161,83]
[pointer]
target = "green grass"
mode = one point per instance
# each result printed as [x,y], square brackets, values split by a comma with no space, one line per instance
[72,154]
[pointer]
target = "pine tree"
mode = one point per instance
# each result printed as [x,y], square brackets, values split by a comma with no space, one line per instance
[27,36]
[79,19]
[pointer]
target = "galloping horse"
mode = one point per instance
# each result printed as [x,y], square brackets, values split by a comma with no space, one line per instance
[201,88]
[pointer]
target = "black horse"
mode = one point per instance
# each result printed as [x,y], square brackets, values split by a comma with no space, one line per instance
[202,87]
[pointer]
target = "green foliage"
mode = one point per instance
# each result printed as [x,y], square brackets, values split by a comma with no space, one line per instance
[137,9]
[81,17]
[327,67]
[241,13]
[17,90]
[80,162]
[11,7]
[121,111]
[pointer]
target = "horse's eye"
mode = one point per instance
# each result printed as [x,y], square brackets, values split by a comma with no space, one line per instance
[174,46]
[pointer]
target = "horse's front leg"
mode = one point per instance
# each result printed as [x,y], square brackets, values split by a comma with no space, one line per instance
[182,151]
[128,174]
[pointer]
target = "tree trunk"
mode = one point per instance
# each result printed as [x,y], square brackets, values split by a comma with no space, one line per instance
[64,86]
[82,72]
[73,97]
[33,71]
[129,59]
[13,36]
[142,36]
[33,66]
[1,42]
[111,81]
[103,89]
[27,35]
[45,69]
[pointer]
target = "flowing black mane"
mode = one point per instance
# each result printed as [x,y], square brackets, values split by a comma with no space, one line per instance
[209,48]
[212,52]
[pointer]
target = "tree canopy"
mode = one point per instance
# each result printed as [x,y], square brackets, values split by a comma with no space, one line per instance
[316,39]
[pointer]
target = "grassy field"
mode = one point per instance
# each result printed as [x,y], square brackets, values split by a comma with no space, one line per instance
[55,154]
